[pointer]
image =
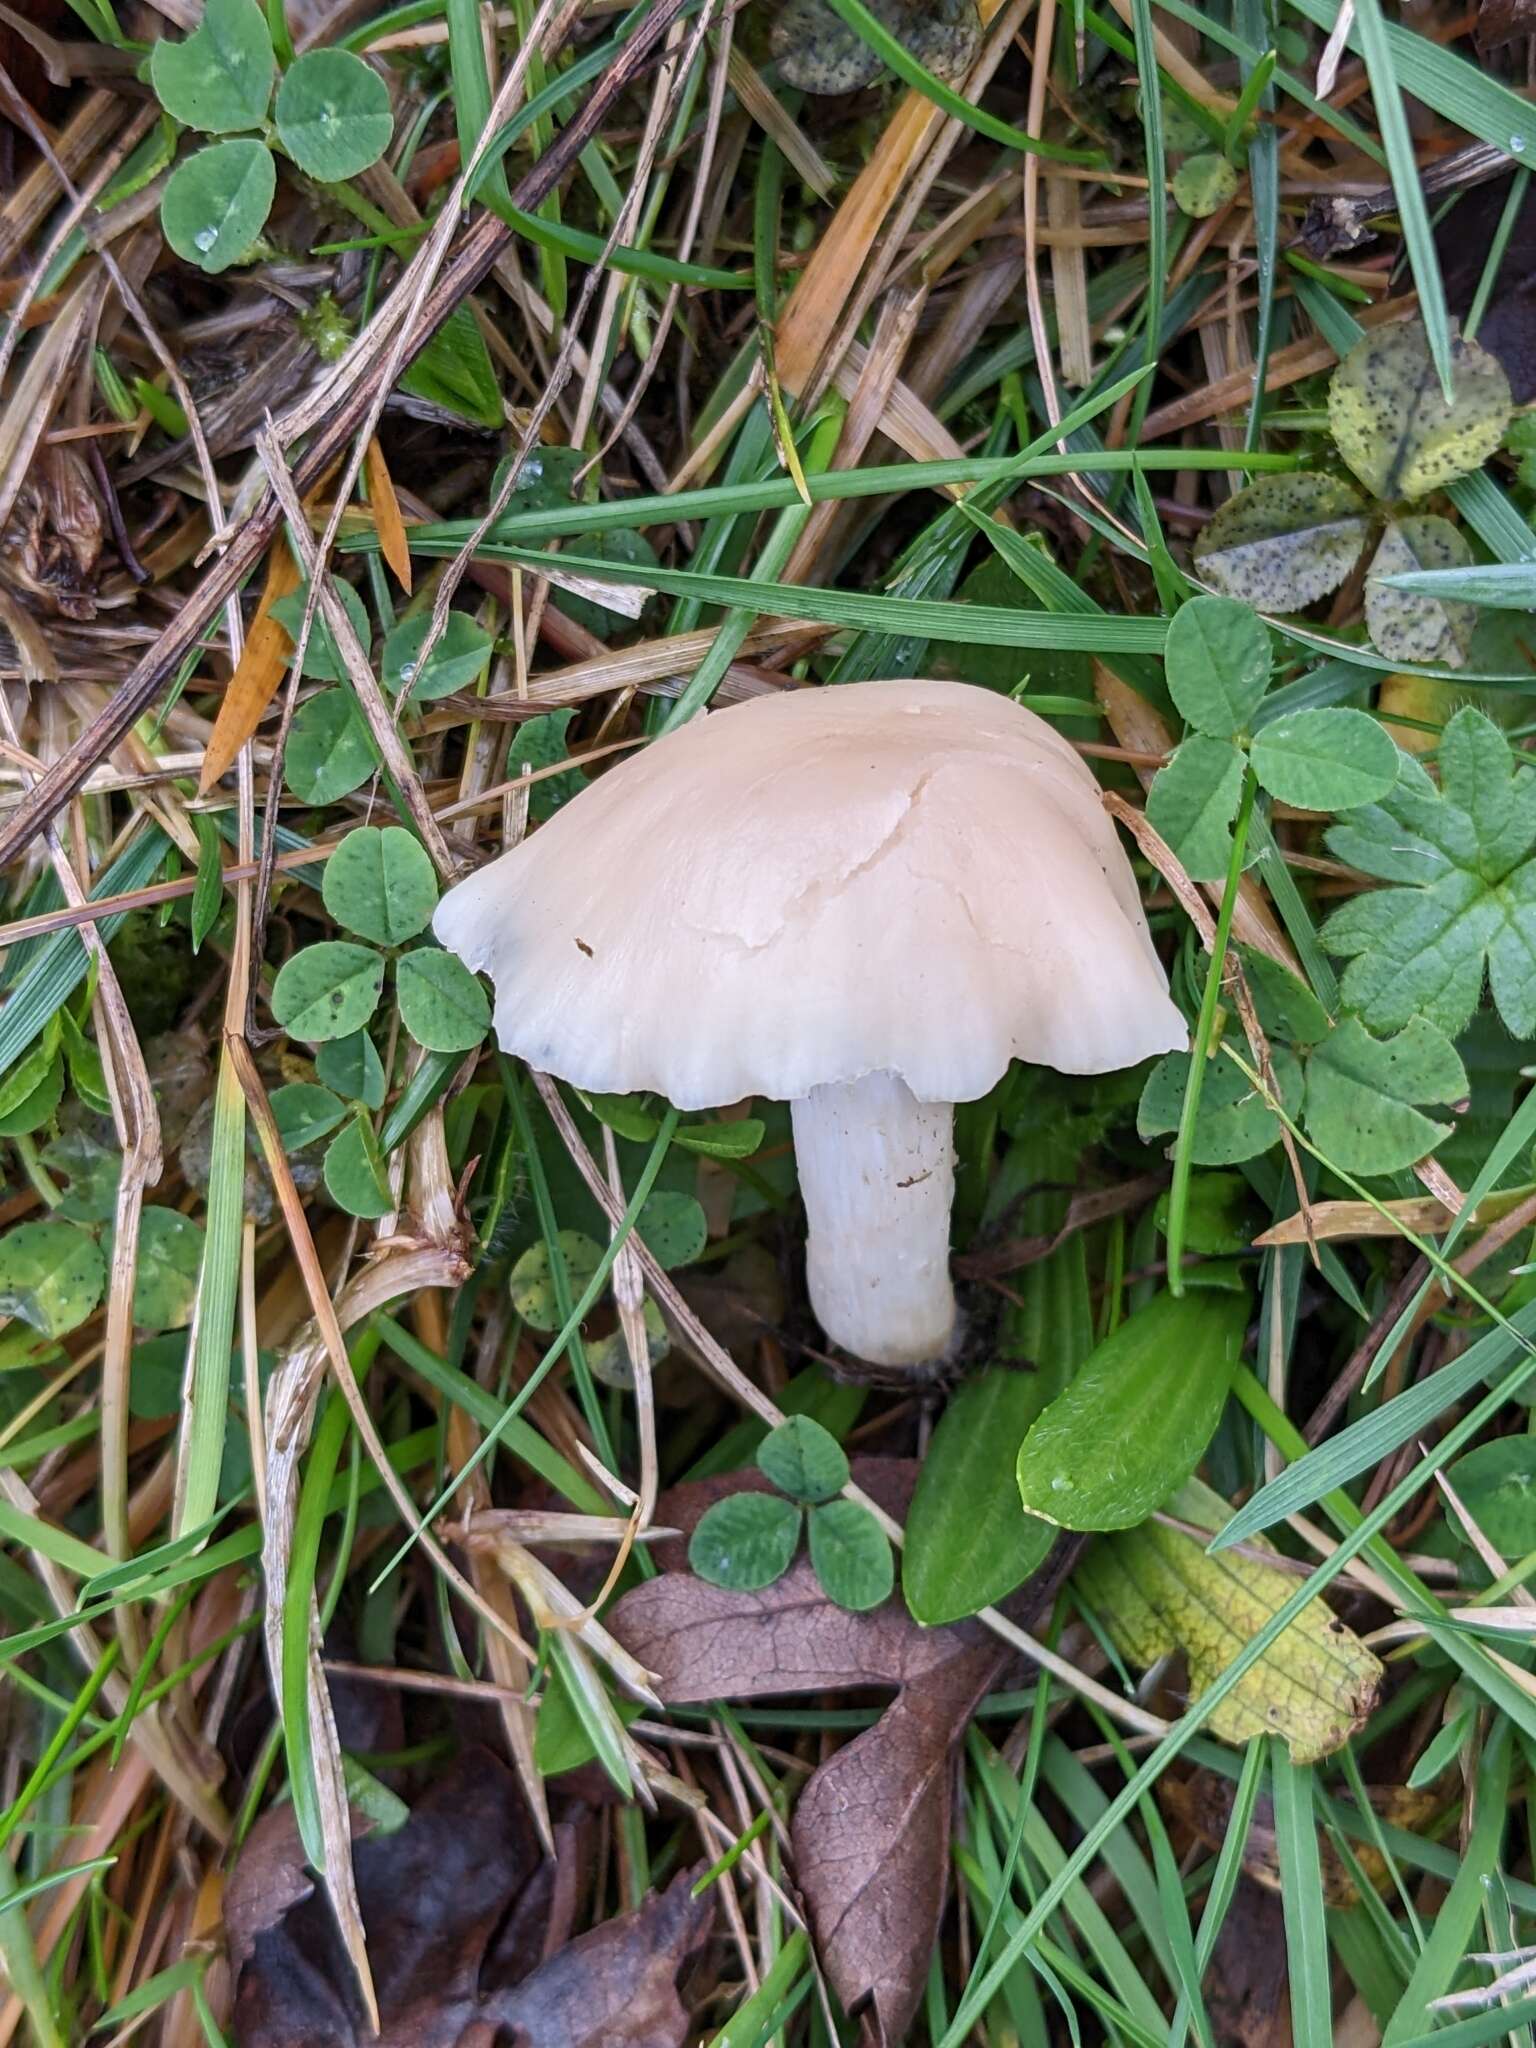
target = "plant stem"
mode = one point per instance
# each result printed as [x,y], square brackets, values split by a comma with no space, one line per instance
[1184,1143]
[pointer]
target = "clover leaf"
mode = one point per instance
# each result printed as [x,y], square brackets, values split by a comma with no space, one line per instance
[333,114]
[1193,800]
[1393,423]
[219,78]
[1466,901]
[216,203]
[1203,184]
[1283,541]
[746,1541]
[379,884]
[1217,658]
[818,52]
[1405,625]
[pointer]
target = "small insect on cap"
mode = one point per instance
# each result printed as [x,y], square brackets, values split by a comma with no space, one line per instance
[807,887]
[907,880]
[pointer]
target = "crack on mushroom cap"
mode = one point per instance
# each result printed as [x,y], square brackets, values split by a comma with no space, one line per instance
[805,899]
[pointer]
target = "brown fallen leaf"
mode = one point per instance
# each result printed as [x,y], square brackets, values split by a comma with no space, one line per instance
[871,1827]
[1203,1803]
[467,1933]
[1504,21]
[393,544]
[1248,1990]
[257,673]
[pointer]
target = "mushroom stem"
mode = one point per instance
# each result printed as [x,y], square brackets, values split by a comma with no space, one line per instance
[877,1171]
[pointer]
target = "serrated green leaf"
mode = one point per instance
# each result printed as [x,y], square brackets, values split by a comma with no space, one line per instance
[1328,760]
[216,203]
[1217,662]
[1391,419]
[354,1171]
[1138,1415]
[380,884]
[219,78]
[333,114]
[51,1276]
[1193,800]
[803,1460]
[442,1005]
[330,750]
[850,1555]
[1283,542]
[328,991]
[1406,627]
[1464,851]
[745,1541]
[1361,1091]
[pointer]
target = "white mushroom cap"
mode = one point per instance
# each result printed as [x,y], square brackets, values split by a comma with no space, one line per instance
[914,877]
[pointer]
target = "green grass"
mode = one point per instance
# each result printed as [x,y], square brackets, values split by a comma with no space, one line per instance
[204,1516]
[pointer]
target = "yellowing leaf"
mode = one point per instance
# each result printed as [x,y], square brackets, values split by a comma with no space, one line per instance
[1282,542]
[1157,1591]
[1403,624]
[257,673]
[1391,419]
[393,544]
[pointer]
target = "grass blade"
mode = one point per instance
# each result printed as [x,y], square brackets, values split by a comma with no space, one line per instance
[1301,1890]
[1402,168]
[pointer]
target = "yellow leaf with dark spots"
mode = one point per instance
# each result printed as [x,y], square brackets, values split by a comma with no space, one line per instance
[1158,1591]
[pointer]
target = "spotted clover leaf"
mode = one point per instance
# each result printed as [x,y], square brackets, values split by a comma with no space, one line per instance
[1284,542]
[817,51]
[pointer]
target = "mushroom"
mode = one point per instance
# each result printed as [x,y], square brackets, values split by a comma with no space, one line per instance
[865,900]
